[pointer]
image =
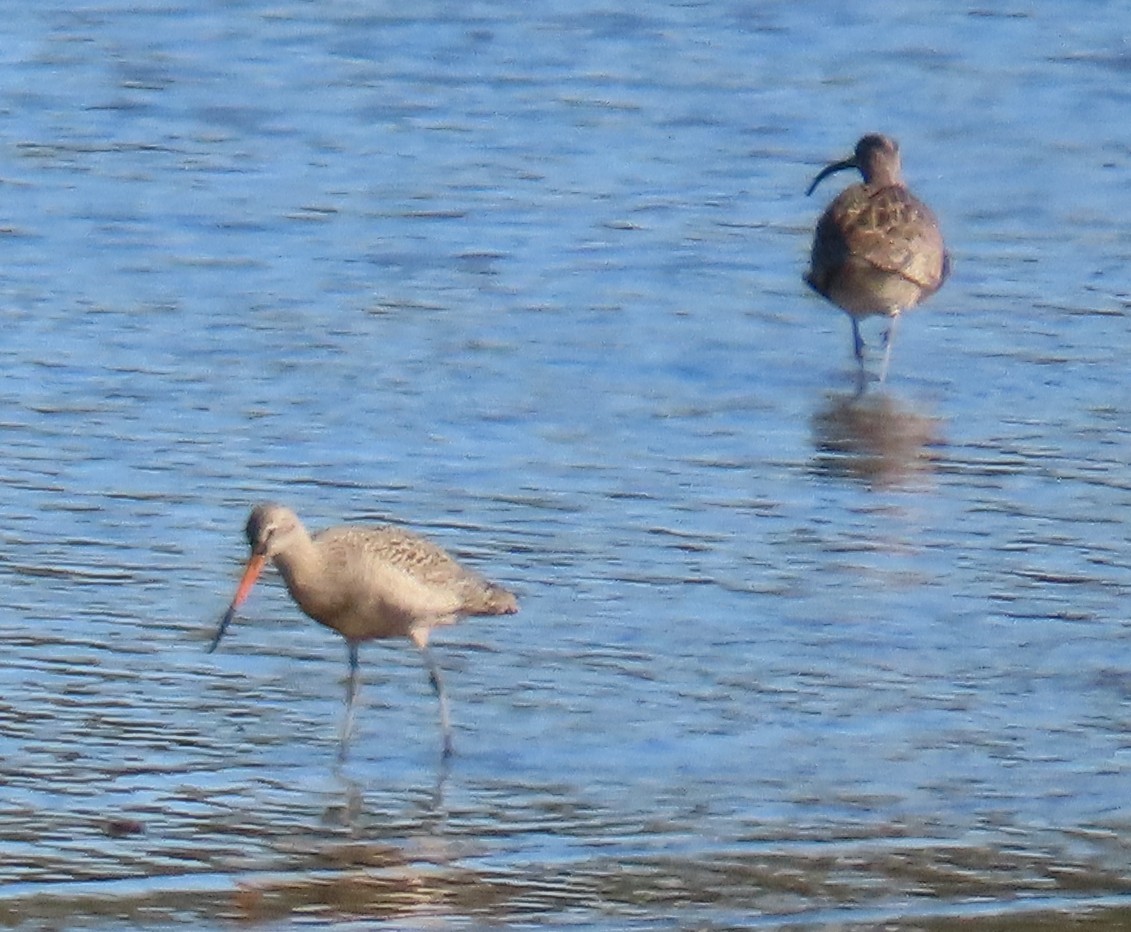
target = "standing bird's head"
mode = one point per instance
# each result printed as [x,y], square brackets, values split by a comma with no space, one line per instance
[269,530]
[876,157]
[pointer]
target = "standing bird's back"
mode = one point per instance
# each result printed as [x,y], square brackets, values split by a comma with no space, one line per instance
[378,582]
[877,249]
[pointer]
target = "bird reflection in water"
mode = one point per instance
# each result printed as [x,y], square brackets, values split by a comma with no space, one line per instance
[350,811]
[873,439]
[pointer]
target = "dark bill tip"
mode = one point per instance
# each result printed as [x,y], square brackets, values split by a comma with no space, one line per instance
[222,627]
[250,575]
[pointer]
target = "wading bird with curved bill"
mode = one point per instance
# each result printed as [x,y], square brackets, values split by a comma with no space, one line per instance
[877,248]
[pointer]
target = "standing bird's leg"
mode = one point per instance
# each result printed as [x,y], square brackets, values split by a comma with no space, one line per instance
[420,639]
[858,348]
[889,338]
[351,694]
[857,342]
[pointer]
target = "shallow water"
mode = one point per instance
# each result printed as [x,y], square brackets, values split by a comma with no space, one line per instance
[529,282]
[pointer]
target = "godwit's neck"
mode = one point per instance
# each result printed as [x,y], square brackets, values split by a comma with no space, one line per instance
[300,561]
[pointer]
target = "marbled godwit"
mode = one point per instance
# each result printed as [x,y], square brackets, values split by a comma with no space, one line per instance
[366,583]
[877,249]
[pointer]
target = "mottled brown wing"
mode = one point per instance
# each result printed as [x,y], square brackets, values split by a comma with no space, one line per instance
[896,232]
[830,241]
[426,562]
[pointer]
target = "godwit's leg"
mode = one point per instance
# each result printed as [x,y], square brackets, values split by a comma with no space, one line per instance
[420,639]
[351,694]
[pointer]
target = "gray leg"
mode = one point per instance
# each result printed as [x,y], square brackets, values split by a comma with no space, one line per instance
[889,339]
[857,341]
[858,349]
[351,694]
[438,688]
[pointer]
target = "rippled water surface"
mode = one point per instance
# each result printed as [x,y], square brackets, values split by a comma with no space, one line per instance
[527,278]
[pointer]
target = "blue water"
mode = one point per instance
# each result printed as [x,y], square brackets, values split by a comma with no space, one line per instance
[527,279]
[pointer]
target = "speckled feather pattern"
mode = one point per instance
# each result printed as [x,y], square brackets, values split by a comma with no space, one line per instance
[372,582]
[888,229]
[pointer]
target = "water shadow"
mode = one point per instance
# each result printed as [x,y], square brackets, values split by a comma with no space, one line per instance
[872,438]
[349,811]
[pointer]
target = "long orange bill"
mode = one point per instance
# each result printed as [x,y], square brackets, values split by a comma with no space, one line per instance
[251,573]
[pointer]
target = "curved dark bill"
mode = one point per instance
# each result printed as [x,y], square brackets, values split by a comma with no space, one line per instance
[250,574]
[829,170]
